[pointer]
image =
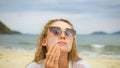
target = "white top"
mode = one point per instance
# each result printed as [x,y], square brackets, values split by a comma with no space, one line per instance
[78,64]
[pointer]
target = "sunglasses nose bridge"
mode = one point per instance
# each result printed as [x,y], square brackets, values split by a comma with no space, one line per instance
[62,33]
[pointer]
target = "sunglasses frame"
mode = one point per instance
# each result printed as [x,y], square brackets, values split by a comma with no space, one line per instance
[73,34]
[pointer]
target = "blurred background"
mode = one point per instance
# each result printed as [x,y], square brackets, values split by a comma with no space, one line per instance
[97,23]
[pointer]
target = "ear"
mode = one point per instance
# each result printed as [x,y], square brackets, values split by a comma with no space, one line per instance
[44,42]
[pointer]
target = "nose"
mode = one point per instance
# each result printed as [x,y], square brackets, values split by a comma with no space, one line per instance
[62,36]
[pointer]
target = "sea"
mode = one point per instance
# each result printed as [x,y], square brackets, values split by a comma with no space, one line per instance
[88,46]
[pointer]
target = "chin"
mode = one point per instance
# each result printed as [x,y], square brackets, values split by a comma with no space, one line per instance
[64,50]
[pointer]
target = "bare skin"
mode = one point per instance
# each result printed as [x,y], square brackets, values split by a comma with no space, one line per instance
[57,55]
[55,59]
[52,57]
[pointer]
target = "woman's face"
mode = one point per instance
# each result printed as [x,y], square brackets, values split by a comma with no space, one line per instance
[62,40]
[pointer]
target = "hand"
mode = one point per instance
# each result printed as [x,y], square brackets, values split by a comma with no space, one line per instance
[52,57]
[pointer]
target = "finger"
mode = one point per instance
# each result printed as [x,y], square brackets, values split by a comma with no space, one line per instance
[50,49]
[52,56]
[57,55]
[48,54]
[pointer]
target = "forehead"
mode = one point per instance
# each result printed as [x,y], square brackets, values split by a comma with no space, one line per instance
[61,24]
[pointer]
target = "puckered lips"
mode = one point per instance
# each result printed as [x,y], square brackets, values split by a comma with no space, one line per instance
[62,43]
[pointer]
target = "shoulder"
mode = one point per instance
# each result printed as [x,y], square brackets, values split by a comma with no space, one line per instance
[81,64]
[35,65]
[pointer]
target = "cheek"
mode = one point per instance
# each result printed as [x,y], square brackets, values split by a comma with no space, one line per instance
[51,41]
[70,42]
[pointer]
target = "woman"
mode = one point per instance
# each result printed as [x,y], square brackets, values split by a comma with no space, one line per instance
[57,47]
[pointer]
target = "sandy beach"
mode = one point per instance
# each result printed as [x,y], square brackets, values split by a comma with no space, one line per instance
[14,59]
[20,60]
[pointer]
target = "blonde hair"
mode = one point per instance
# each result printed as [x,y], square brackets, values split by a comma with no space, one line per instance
[42,50]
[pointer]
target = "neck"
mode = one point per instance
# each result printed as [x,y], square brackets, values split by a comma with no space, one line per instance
[63,61]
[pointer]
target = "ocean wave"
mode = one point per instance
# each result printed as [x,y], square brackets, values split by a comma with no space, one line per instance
[107,49]
[25,43]
[102,55]
[18,49]
[97,46]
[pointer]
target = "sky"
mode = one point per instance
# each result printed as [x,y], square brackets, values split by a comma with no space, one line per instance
[87,16]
